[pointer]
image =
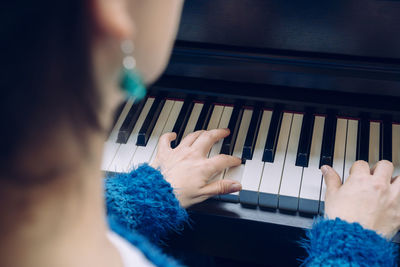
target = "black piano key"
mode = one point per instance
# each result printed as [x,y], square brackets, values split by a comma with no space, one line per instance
[386,140]
[303,150]
[150,121]
[234,124]
[130,121]
[273,135]
[251,138]
[181,122]
[363,140]
[328,140]
[205,116]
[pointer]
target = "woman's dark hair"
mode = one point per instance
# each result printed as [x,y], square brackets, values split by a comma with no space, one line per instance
[45,70]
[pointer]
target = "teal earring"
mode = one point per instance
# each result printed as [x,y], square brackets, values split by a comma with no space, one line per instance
[131,82]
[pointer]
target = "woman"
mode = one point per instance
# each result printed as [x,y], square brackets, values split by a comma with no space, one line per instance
[62,62]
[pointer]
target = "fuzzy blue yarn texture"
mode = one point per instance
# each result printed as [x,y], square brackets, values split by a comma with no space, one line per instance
[143,200]
[338,243]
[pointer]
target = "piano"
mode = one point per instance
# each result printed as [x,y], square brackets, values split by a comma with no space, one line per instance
[299,84]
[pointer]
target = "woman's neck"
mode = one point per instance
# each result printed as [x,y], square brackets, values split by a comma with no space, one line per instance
[58,223]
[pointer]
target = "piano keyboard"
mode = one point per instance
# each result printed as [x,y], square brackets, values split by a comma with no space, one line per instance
[282,151]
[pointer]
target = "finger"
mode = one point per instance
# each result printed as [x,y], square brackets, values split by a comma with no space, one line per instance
[221,187]
[383,170]
[361,168]
[208,138]
[331,178]
[220,162]
[190,138]
[164,143]
[396,184]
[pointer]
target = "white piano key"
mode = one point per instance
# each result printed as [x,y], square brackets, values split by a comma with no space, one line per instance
[215,117]
[226,116]
[125,152]
[351,147]
[252,174]
[291,176]
[216,149]
[194,116]
[338,155]
[111,146]
[272,172]
[169,125]
[342,134]
[215,123]
[396,149]
[253,168]
[310,189]
[236,173]
[374,141]
[143,153]
[262,135]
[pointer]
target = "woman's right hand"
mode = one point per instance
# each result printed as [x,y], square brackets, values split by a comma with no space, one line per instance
[369,196]
[189,170]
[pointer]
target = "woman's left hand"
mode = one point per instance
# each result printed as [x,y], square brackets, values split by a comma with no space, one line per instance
[188,169]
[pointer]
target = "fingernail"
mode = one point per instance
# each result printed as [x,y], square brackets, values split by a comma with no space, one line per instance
[235,187]
[242,161]
[324,170]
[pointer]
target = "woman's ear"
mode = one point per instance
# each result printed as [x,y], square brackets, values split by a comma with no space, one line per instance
[111,18]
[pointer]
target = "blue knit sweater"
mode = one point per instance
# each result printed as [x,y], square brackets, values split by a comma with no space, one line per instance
[142,208]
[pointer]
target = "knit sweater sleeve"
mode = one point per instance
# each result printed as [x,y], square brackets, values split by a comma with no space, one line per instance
[338,243]
[143,201]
